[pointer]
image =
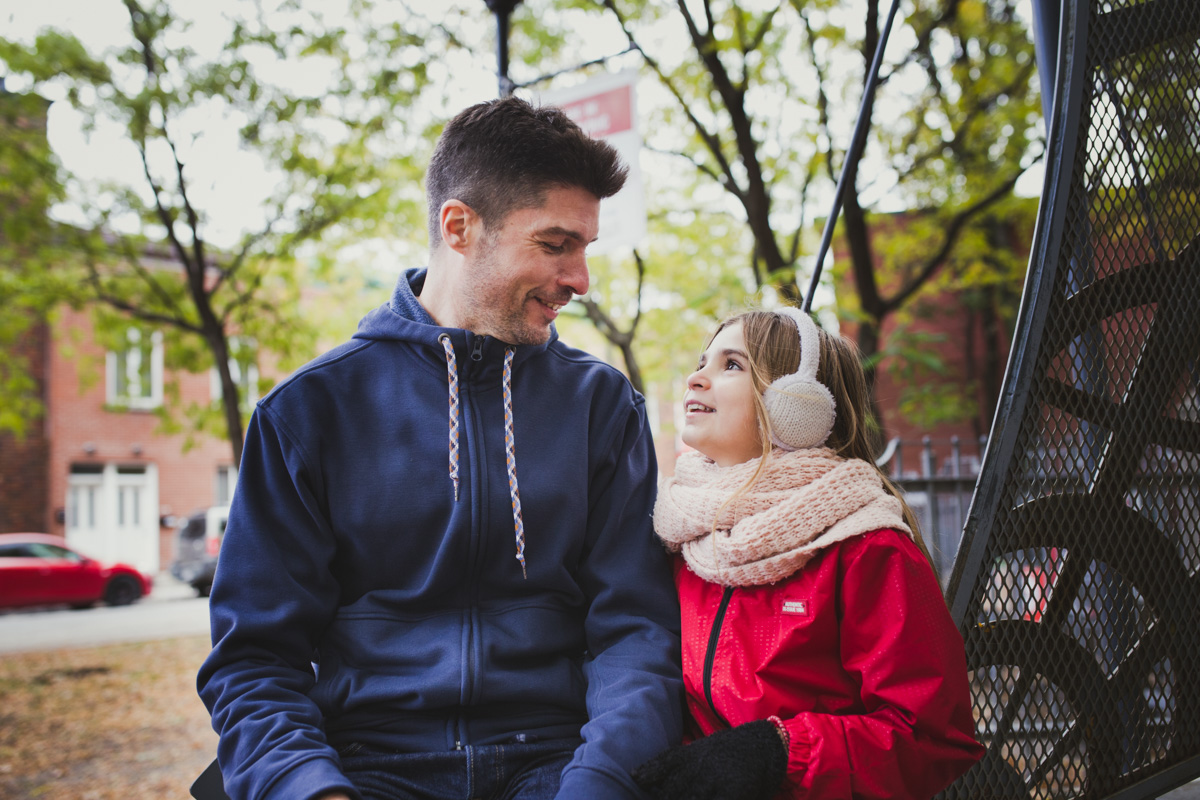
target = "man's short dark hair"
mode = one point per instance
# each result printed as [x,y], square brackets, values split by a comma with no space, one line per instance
[504,155]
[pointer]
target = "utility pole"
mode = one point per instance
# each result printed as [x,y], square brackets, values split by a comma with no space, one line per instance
[503,10]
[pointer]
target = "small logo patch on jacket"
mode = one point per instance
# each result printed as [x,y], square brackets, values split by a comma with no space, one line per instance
[799,607]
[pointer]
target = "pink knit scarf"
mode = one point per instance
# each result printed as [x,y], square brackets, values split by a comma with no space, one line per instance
[804,500]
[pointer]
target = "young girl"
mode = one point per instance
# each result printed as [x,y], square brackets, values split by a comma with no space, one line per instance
[818,654]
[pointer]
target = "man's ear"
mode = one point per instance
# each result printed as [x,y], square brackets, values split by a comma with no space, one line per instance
[459,225]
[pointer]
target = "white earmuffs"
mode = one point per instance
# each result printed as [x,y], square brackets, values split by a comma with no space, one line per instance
[801,410]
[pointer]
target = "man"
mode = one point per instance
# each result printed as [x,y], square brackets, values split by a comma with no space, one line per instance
[439,577]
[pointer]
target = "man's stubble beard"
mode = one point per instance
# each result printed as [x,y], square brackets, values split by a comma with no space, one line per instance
[487,285]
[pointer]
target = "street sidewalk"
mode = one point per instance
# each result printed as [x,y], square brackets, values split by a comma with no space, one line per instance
[168,587]
[1189,791]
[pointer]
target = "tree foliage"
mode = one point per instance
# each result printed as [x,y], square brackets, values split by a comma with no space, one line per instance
[968,135]
[759,101]
[29,185]
[747,111]
[320,100]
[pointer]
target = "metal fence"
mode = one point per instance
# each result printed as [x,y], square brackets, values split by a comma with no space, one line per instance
[1077,587]
[938,477]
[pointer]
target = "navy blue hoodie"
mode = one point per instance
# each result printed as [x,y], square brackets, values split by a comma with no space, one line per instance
[357,600]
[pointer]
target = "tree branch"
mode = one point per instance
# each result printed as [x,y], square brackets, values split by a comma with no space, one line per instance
[756,198]
[136,15]
[193,218]
[984,104]
[641,280]
[756,40]
[135,261]
[701,167]
[822,97]
[953,229]
[94,278]
[948,11]
[710,139]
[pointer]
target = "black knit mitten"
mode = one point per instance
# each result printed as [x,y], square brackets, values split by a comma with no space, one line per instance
[743,763]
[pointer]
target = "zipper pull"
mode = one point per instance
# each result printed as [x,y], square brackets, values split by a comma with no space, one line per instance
[477,349]
[458,745]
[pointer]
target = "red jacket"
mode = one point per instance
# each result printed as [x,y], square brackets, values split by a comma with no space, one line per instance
[858,656]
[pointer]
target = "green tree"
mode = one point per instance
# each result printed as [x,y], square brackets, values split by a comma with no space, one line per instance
[656,306]
[29,185]
[975,299]
[341,146]
[761,100]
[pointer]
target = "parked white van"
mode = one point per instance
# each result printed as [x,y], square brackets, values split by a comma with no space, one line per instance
[196,548]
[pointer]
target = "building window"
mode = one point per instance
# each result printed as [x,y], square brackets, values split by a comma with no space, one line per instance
[244,369]
[226,481]
[84,495]
[135,374]
[130,490]
[83,506]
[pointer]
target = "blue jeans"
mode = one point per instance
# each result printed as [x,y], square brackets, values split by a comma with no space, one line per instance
[528,771]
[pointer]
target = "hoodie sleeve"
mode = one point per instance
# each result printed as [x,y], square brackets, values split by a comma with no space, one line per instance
[273,595]
[635,686]
[916,735]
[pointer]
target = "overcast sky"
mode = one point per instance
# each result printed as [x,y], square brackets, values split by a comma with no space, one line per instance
[215,159]
[105,155]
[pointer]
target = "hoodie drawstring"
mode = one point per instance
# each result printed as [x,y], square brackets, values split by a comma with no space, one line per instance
[510,455]
[452,374]
[510,458]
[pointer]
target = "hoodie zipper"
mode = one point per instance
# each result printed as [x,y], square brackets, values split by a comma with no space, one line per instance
[479,491]
[711,655]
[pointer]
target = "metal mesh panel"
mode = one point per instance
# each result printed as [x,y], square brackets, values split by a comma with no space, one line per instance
[1076,587]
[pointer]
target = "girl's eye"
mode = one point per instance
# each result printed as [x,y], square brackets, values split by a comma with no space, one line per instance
[731,364]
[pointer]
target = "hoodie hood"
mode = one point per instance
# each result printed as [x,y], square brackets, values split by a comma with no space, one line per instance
[403,318]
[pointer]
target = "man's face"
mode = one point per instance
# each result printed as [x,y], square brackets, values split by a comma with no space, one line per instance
[517,278]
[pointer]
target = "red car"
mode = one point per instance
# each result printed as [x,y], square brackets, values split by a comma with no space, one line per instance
[37,569]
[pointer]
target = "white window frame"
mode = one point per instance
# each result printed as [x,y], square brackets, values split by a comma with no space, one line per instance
[225,481]
[130,491]
[113,362]
[85,502]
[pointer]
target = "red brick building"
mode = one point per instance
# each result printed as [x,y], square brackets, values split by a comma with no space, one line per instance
[96,468]
[974,355]
[963,326]
[24,465]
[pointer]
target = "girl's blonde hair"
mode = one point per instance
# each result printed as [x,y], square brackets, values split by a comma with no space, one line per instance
[773,350]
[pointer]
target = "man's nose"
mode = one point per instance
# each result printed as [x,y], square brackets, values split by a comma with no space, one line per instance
[574,275]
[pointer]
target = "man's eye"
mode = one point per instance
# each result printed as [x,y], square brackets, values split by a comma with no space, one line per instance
[553,248]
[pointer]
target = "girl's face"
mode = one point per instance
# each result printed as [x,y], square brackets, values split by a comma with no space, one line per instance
[720,421]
